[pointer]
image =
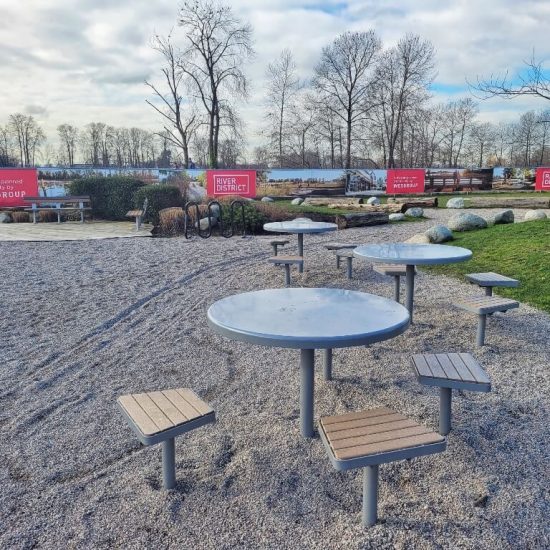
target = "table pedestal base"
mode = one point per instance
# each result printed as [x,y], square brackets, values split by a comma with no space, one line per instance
[307,368]
[301,251]
[410,290]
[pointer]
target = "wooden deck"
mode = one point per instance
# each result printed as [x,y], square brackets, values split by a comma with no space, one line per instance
[71,231]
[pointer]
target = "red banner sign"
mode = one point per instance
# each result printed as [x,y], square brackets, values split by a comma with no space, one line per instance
[405,181]
[16,184]
[542,180]
[231,182]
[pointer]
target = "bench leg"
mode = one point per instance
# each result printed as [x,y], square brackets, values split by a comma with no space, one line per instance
[138,222]
[397,288]
[337,262]
[169,463]
[58,216]
[307,367]
[33,217]
[287,275]
[301,250]
[445,398]
[82,216]
[410,290]
[370,495]
[350,266]
[274,246]
[328,364]
[482,320]
[488,291]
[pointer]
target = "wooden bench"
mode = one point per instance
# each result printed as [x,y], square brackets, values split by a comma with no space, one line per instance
[449,371]
[160,416]
[139,214]
[58,205]
[490,279]
[483,306]
[287,261]
[348,255]
[393,270]
[276,243]
[369,438]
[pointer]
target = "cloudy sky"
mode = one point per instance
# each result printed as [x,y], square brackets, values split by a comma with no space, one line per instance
[79,61]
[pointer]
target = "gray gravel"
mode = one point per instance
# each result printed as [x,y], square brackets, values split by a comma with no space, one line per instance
[83,322]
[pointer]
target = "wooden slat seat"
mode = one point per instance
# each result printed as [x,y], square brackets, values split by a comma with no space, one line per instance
[139,213]
[134,213]
[449,371]
[393,270]
[275,243]
[286,262]
[483,306]
[489,280]
[80,203]
[369,438]
[160,416]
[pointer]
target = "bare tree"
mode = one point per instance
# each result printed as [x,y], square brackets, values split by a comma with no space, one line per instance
[459,116]
[28,137]
[6,147]
[218,45]
[180,117]
[342,78]
[402,78]
[68,136]
[283,85]
[482,136]
[533,81]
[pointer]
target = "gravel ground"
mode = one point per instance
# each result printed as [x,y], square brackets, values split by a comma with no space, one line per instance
[83,322]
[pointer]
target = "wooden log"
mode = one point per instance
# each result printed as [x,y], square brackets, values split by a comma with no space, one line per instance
[388,208]
[410,202]
[508,202]
[326,201]
[361,219]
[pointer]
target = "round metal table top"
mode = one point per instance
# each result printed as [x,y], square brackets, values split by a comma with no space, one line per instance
[300,226]
[413,254]
[308,318]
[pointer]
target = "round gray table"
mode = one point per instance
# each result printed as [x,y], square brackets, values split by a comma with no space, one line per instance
[412,255]
[300,226]
[308,319]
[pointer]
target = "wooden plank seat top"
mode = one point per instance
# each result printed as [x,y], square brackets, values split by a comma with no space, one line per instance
[160,416]
[80,203]
[489,280]
[275,243]
[286,262]
[393,270]
[134,213]
[138,213]
[482,305]
[449,371]
[338,246]
[369,438]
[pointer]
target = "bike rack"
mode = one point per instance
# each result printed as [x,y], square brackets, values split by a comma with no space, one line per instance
[208,233]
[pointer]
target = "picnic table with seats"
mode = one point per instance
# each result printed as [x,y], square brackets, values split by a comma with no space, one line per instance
[59,205]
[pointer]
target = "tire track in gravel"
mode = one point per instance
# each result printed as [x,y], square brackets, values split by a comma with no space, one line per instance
[99,331]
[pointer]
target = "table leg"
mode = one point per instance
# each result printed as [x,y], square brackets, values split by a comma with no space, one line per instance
[307,367]
[410,290]
[328,364]
[301,250]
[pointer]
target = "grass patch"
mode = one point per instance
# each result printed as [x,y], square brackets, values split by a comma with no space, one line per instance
[521,251]
[443,199]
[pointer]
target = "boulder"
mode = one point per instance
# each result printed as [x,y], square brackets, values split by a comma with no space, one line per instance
[297,201]
[195,192]
[203,223]
[415,212]
[466,222]
[267,199]
[439,234]
[374,201]
[5,217]
[531,215]
[397,217]
[456,202]
[506,216]
[419,238]
[215,211]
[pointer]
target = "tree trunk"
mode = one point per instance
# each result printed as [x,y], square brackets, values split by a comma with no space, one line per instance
[362,219]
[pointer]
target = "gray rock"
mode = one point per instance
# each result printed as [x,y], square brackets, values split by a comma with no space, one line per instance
[531,215]
[267,199]
[466,222]
[506,216]
[415,212]
[375,201]
[455,202]
[297,201]
[203,223]
[5,217]
[215,211]
[398,217]
[302,219]
[439,234]
[419,238]
[195,192]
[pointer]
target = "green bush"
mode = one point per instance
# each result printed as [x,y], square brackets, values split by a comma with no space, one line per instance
[112,196]
[159,197]
[254,219]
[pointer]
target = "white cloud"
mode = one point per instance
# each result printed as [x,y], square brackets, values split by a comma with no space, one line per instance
[83,60]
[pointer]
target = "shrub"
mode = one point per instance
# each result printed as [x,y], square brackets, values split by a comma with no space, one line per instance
[275,189]
[20,217]
[112,196]
[159,197]
[171,221]
[254,219]
[48,216]
[274,213]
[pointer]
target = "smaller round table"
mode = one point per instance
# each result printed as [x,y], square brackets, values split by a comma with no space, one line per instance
[300,226]
[308,319]
[411,255]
